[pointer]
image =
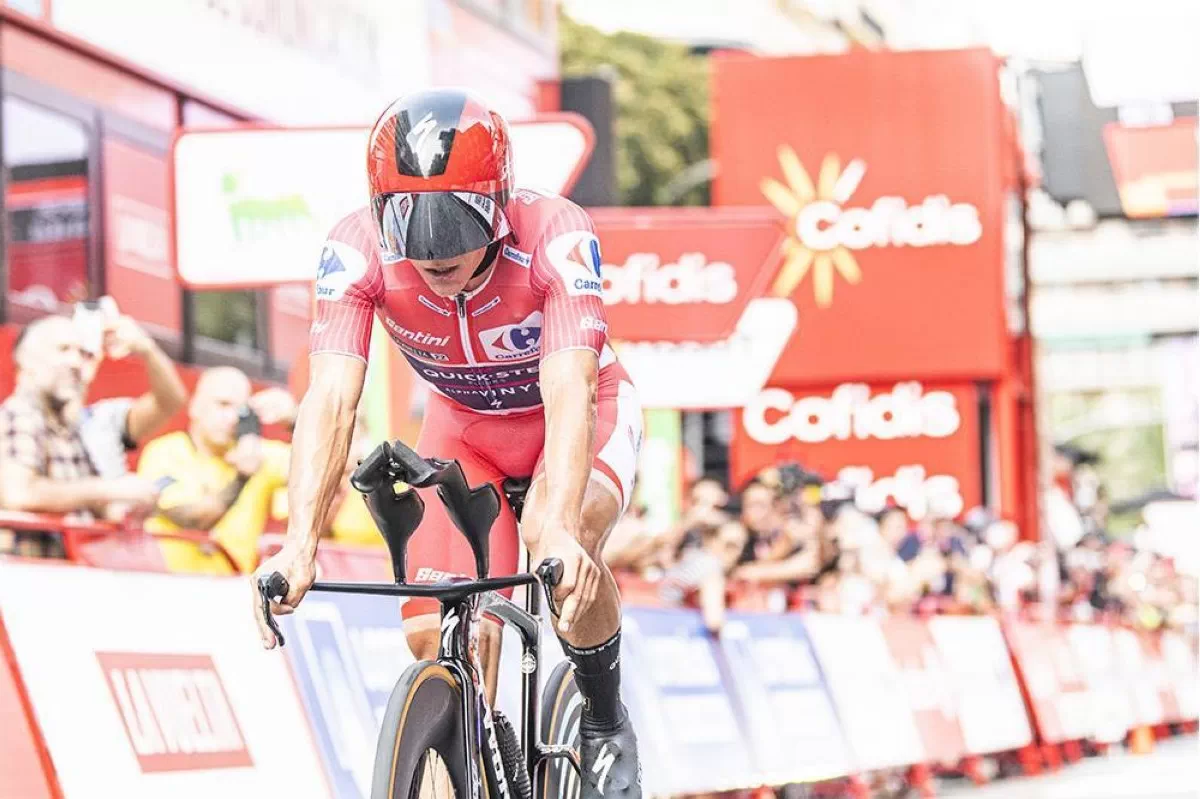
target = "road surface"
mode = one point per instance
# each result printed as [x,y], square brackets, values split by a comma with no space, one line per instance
[1171,771]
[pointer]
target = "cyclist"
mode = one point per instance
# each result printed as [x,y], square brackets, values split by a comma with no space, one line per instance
[493,295]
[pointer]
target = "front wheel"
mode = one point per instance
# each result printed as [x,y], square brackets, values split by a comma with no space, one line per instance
[421,752]
[562,708]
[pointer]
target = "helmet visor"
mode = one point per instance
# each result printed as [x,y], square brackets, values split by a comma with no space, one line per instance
[431,226]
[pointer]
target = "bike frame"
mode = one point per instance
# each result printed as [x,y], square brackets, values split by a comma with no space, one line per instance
[463,605]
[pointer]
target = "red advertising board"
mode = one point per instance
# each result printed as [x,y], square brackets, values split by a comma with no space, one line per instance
[1058,692]
[1155,167]
[25,768]
[684,274]
[139,274]
[925,682]
[887,170]
[913,443]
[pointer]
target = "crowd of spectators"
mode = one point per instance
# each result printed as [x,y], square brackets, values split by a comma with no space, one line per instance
[211,487]
[793,540]
[208,490]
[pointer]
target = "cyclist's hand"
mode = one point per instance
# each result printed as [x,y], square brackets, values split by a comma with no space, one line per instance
[299,569]
[580,582]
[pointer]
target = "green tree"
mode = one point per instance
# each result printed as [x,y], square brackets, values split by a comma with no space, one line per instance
[660,90]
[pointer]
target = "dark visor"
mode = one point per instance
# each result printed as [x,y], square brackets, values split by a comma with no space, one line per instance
[430,226]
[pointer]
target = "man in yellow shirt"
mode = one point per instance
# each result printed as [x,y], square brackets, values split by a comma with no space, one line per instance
[219,475]
[349,521]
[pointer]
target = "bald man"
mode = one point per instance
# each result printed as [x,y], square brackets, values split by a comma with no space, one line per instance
[215,480]
[44,466]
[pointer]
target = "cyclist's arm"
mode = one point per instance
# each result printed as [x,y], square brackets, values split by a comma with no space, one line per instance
[568,379]
[565,269]
[321,444]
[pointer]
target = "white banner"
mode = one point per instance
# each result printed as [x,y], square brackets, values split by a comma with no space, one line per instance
[150,685]
[1180,656]
[1112,708]
[1135,671]
[991,710]
[868,691]
[723,374]
[294,62]
[253,206]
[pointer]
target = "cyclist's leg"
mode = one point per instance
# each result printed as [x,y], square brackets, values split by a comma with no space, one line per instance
[608,746]
[438,551]
[615,448]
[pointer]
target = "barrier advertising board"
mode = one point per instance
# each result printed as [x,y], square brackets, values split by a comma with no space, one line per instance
[1135,671]
[687,724]
[139,693]
[347,651]
[1112,708]
[791,722]
[925,681]
[1179,653]
[867,689]
[1057,690]
[991,710]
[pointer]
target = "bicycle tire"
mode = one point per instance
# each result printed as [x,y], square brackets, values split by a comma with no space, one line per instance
[424,714]
[562,708]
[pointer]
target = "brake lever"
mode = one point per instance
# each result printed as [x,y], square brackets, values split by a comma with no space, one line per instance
[550,573]
[270,586]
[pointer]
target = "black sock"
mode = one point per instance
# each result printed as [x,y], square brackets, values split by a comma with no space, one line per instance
[598,675]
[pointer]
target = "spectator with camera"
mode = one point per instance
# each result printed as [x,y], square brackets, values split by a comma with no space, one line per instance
[219,476]
[112,428]
[45,466]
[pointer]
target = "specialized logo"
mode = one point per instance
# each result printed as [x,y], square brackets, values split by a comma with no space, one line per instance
[176,713]
[691,279]
[341,266]
[576,256]
[511,342]
[851,412]
[604,763]
[825,230]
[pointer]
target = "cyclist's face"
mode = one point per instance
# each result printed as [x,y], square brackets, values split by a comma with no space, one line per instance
[450,276]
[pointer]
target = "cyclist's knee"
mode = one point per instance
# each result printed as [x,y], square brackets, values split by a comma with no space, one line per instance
[600,512]
[423,633]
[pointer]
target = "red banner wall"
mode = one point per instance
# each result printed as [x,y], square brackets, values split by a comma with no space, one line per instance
[919,442]
[887,170]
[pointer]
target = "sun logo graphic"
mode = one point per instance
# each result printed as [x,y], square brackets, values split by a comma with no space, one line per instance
[826,231]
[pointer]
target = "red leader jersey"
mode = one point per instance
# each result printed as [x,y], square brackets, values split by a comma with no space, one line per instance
[481,348]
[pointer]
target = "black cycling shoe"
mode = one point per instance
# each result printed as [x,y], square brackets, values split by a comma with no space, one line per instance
[609,763]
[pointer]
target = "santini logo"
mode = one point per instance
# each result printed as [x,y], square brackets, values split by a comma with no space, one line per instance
[825,229]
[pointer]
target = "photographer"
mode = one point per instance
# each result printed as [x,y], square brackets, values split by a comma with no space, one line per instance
[111,428]
[219,476]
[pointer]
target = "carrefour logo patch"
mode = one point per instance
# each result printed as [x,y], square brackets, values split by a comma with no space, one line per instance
[510,342]
[575,255]
[341,266]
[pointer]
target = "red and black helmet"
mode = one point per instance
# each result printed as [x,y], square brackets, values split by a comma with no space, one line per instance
[440,170]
